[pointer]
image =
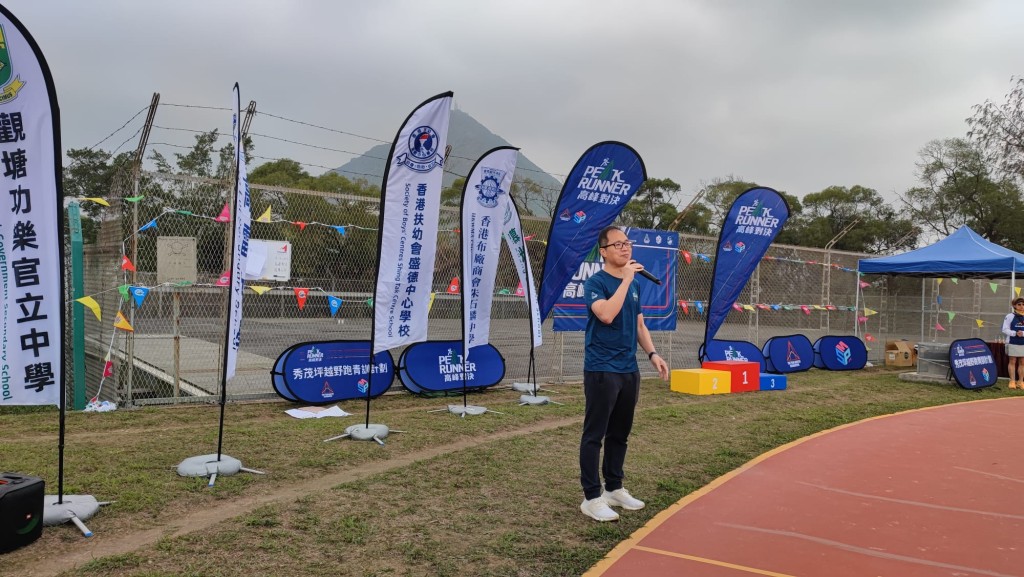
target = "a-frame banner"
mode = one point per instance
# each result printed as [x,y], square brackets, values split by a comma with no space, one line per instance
[31,223]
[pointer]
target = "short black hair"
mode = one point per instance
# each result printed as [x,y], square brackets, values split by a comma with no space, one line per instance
[602,239]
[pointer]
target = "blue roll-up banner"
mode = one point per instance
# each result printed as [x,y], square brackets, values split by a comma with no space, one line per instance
[435,366]
[788,354]
[598,187]
[840,353]
[658,251]
[717,350]
[974,366]
[325,372]
[753,222]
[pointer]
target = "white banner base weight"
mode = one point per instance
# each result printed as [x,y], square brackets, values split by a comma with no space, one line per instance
[209,466]
[73,508]
[463,410]
[372,432]
[536,400]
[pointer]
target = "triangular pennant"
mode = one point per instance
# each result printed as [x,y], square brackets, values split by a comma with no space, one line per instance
[106,357]
[300,296]
[93,306]
[453,286]
[762,306]
[225,214]
[369,302]
[954,280]
[265,217]
[950,314]
[868,312]
[334,303]
[122,323]
[938,281]
[529,237]
[108,369]
[862,319]
[123,289]
[259,289]
[806,309]
[340,229]
[776,307]
[939,327]
[97,200]
[685,306]
[430,303]
[300,224]
[134,198]
[700,307]
[148,225]
[864,284]
[126,264]
[224,279]
[139,294]
[504,292]
[1016,289]
[993,286]
[687,257]
[980,322]
[868,337]
[520,292]
[748,307]
[938,299]
[736,306]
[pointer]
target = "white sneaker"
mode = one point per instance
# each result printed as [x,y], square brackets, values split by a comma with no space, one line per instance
[598,510]
[622,498]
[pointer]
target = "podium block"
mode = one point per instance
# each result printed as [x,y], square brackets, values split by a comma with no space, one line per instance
[700,381]
[746,376]
[771,382]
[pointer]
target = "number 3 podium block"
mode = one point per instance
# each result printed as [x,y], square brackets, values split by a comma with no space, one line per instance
[746,376]
[700,381]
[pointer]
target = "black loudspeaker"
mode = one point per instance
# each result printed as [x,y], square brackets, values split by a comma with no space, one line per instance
[21,510]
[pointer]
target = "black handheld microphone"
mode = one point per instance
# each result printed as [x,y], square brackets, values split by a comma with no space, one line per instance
[649,276]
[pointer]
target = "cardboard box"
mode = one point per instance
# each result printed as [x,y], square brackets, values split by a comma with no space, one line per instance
[700,381]
[899,354]
[746,375]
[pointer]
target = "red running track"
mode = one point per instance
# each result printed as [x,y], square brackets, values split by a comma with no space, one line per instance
[925,493]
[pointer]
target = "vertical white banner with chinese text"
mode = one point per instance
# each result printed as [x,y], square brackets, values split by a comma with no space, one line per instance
[483,208]
[512,230]
[410,203]
[239,243]
[31,225]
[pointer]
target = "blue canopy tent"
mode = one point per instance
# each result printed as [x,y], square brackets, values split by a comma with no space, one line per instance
[962,254]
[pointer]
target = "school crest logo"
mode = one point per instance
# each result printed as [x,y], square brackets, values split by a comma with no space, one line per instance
[10,83]
[422,155]
[489,188]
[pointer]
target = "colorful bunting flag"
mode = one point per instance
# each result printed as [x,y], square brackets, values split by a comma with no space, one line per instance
[148,225]
[123,289]
[806,309]
[700,307]
[864,284]
[93,306]
[453,286]
[868,312]
[862,319]
[108,369]
[97,200]
[993,286]
[686,257]
[369,302]
[300,224]
[519,290]
[260,289]
[127,264]
[868,337]
[300,296]
[265,217]
[1017,290]
[939,282]
[504,292]
[954,280]
[340,229]
[939,327]
[737,306]
[134,198]
[748,307]
[430,303]
[683,305]
[938,299]
[224,279]
[225,214]
[139,294]
[951,315]
[122,323]
[980,322]
[335,304]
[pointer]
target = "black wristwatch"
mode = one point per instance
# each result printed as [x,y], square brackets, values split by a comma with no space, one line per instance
[651,354]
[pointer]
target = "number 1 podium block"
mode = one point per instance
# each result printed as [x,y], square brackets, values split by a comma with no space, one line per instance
[700,381]
[746,376]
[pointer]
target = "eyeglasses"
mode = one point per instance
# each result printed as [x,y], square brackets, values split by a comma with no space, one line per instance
[619,245]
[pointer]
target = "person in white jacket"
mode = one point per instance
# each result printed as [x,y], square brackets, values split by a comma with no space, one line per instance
[1013,328]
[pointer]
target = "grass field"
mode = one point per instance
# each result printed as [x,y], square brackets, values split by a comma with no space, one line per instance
[489,495]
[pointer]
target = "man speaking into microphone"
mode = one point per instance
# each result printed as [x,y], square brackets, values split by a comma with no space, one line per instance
[611,375]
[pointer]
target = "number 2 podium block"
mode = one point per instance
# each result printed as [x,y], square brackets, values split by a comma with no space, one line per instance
[700,381]
[746,376]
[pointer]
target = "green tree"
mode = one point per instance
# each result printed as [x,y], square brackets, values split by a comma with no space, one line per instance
[998,130]
[860,215]
[653,206]
[92,173]
[720,193]
[959,187]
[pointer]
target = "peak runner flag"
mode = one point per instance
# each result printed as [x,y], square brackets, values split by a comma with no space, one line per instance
[239,244]
[753,222]
[598,187]
[31,224]
[512,230]
[410,201]
[483,209]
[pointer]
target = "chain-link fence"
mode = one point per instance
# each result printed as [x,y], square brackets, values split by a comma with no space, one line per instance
[179,250]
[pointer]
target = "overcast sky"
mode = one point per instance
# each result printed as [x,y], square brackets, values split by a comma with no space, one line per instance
[797,95]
